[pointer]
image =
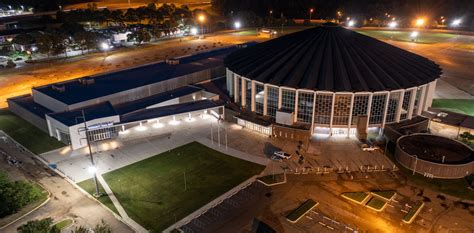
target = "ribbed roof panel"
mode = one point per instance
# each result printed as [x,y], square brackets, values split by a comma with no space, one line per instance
[332,58]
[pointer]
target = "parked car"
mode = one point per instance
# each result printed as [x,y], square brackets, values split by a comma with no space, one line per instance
[282,155]
[276,158]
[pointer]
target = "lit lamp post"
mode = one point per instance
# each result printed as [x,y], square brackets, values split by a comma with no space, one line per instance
[310,14]
[416,161]
[414,36]
[237,25]
[92,169]
[201,19]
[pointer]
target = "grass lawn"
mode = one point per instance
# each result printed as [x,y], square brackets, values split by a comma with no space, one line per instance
[454,187]
[63,223]
[153,193]
[299,212]
[27,134]
[42,198]
[423,37]
[358,197]
[376,204]
[89,186]
[410,216]
[388,195]
[455,105]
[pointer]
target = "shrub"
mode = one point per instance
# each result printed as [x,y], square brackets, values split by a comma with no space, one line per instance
[15,195]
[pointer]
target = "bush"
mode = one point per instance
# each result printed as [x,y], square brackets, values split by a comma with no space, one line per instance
[15,195]
[38,226]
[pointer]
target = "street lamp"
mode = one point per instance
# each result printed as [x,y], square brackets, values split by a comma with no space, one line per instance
[351,23]
[310,14]
[201,19]
[393,24]
[420,22]
[194,31]
[414,35]
[237,25]
[92,168]
[456,22]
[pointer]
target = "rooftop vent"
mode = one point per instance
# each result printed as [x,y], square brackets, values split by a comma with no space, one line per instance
[86,81]
[59,88]
[172,61]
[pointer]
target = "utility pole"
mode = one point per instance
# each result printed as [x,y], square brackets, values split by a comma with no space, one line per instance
[90,154]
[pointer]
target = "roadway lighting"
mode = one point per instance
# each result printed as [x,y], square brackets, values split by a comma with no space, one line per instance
[393,24]
[201,18]
[92,169]
[420,22]
[194,31]
[237,25]
[456,22]
[414,36]
[351,23]
[105,46]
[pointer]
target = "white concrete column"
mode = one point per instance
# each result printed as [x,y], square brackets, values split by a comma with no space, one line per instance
[265,99]
[429,95]
[400,106]
[280,90]
[230,81]
[412,103]
[421,101]
[387,99]
[236,88]
[253,96]
[332,113]
[244,92]
[369,110]
[313,113]
[296,106]
[349,124]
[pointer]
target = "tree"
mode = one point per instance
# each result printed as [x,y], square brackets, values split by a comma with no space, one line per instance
[86,40]
[44,42]
[38,226]
[140,36]
[23,39]
[466,137]
[102,227]
[60,44]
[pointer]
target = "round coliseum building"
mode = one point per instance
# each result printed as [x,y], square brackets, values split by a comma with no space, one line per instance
[329,79]
[435,156]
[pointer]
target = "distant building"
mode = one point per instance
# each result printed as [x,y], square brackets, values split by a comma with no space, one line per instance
[449,124]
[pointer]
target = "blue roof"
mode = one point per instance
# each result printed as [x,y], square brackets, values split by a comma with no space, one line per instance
[70,118]
[147,114]
[111,83]
[154,99]
[27,102]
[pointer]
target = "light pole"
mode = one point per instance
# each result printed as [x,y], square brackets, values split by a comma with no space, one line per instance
[201,19]
[92,169]
[310,14]
[416,161]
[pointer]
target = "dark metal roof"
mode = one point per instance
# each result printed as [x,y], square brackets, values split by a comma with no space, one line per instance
[70,118]
[332,58]
[111,83]
[27,102]
[154,99]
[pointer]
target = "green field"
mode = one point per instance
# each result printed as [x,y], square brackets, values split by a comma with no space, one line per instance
[26,134]
[409,217]
[358,197]
[153,193]
[376,204]
[297,213]
[89,186]
[463,106]
[63,223]
[384,194]
[423,37]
